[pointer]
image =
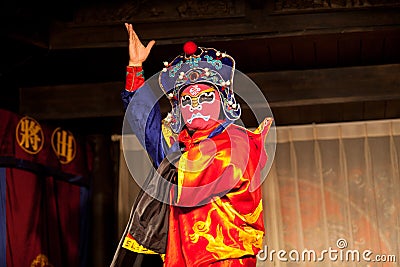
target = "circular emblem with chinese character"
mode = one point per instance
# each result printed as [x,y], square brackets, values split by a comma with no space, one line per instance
[29,135]
[41,261]
[64,145]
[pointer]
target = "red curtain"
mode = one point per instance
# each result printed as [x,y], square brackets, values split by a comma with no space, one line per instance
[43,219]
[46,193]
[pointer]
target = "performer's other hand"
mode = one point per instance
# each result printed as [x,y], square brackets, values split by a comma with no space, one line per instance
[137,51]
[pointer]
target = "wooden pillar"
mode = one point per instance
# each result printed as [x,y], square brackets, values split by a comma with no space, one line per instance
[102,241]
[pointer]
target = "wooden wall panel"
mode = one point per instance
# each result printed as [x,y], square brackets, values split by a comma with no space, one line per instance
[296,96]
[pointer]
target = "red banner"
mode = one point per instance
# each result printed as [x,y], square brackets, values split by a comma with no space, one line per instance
[46,188]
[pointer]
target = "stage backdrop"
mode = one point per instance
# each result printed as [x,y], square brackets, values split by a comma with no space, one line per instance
[331,187]
[335,187]
[44,179]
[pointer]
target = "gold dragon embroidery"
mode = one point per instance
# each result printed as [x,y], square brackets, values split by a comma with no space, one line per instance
[248,236]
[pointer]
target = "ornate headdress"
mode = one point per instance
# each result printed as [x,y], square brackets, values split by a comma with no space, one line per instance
[199,65]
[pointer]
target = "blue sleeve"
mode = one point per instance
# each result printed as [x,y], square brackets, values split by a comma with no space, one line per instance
[143,115]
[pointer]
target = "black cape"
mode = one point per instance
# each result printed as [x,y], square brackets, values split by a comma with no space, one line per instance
[148,221]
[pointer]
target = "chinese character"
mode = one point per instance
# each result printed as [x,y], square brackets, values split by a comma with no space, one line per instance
[29,135]
[64,145]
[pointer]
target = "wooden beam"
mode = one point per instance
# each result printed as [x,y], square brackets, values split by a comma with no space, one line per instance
[282,89]
[259,23]
[327,86]
[72,101]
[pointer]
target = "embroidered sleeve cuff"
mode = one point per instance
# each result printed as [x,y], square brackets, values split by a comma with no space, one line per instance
[134,78]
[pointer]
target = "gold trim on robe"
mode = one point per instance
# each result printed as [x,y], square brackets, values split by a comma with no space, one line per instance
[132,245]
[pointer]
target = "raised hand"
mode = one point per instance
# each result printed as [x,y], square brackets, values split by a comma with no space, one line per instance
[137,51]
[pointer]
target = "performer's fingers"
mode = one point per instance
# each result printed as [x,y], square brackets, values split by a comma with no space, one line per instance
[150,45]
[134,33]
[128,29]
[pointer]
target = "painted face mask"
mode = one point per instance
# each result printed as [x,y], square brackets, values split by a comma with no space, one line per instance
[200,106]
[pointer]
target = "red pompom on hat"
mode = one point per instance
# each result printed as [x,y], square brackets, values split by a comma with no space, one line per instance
[189,48]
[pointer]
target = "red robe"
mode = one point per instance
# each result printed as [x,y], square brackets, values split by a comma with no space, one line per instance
[218,171]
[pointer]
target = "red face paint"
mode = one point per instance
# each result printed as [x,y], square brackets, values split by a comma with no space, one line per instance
[200,106]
